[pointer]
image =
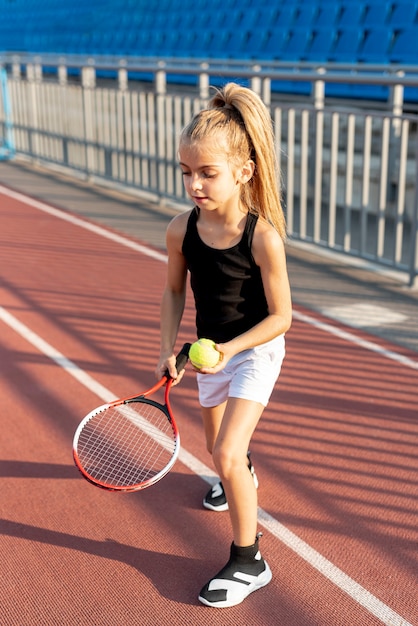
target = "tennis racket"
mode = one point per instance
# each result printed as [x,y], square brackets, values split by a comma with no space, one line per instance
[130,444]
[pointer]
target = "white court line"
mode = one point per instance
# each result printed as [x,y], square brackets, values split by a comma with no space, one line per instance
[352,338]
[77,221]
[360,595]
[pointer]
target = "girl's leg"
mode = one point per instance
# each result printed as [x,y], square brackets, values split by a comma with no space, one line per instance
[246,570]
[212,419]
[230,448]
[215,499]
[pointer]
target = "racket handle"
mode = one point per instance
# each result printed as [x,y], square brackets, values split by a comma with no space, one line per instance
[181,359]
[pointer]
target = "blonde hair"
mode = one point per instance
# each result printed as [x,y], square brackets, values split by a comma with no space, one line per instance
[241,115]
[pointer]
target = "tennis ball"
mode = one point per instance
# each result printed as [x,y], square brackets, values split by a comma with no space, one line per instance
[203,354]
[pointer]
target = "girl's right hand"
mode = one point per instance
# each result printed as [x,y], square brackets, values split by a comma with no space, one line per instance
[169,363]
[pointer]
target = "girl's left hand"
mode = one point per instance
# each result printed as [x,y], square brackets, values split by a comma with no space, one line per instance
[224,357]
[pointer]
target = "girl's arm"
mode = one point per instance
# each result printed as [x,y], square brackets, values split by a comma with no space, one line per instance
[174,296]
[269,254]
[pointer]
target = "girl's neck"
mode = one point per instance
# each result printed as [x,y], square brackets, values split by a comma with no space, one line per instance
[221,231]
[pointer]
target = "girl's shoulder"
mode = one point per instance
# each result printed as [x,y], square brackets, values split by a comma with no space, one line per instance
[264,228]
[266,239]
[178,225]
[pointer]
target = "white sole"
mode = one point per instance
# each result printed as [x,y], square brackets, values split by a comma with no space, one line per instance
[262,581]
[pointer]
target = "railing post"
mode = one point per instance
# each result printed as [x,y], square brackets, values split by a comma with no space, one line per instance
[62,74]
[122,77]
[161,79]
[413,256]
[319,90]
[261,86]
[88,80]
[319,102]
[160,128]
[16,70]
[204,81]
[33,77]
[266,91]
[397,100]
[256,80]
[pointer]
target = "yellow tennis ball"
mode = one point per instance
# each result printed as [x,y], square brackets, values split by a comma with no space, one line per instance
[203,354]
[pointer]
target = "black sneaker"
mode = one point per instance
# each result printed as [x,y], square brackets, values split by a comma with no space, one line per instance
[245,572]
[215,499]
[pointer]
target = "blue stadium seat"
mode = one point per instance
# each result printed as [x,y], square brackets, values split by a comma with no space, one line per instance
[266,16]
[352,13]
[321,44]
[376,45]
[247,18]
[169,42]
[266,46]
[296,45]
[276,44]
[404,14]
[305,15]
[404,49]
[377,14]
[215,46]
[347,45]
[256,43]
[192,45]
[236,45]
[286,16]
[328,15]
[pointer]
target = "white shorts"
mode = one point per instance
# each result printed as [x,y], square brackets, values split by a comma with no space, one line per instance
[250,375]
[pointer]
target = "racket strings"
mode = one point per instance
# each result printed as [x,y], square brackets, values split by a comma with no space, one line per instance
[126,445]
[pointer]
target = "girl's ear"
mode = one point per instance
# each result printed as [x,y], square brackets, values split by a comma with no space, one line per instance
[247,171]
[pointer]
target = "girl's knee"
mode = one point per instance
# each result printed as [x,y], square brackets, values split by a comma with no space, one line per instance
[226,461]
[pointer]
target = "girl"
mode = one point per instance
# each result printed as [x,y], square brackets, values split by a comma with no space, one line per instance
[232,242]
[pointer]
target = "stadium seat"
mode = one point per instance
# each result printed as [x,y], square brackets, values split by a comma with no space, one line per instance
[404,49]
[256,43]
[404,14]
[328,15]
[277,43]
[236,45]
[286,17]
[213,44]
[347,45]
[247,18]
[321,44]
[266,16]
[305,15]
[190,44]
[376,45]
[266,46]
[296,45]
[377,14]
[352,13]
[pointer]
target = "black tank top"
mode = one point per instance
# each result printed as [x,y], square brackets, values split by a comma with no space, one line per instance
[226,284]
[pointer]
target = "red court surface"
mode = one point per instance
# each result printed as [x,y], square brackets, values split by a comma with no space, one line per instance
[335,453]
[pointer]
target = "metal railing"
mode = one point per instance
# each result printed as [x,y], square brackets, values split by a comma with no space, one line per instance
[350,174]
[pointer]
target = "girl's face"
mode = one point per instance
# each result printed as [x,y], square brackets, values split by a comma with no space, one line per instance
[209,178]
